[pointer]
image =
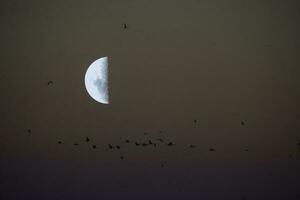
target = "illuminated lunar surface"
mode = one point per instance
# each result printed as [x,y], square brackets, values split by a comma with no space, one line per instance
[96,80]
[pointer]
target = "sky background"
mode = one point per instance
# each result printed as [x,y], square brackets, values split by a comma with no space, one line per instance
[214,61]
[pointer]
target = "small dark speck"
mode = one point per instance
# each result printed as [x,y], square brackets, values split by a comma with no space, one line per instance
[118,147]
[170,144]
[29,130]
[150,142]
[162,165]
[211,149]
[87,139]
[298,143]
[127,141]
[246,150]
[59,142]
[122,157]
[154,144]
[159,139]
[76,144]
[94,146]
[145,133]
[242,123]
[125,26]
[144,144]
[110,146]
[50,83]
[192,146]
[195,121]
[137,144]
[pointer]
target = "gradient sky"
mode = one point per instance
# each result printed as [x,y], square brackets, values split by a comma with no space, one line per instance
[219,62]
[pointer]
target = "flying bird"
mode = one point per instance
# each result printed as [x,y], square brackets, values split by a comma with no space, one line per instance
[118,147]
[170,144]
[125,26]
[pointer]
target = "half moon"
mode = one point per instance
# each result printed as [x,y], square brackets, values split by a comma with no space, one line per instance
[96,80]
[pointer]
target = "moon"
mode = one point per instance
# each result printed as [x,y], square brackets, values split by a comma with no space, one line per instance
[96,80]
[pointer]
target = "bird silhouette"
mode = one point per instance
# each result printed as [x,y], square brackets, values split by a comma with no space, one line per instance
[137,144]
[127,141]
[87,139]
[59,142]
[125,26]
[76,144]
[110,146]
[211,149]
[150,142]
[242,123]
[29,130]
[170,144]
[192,146]
[94,146]
[118,147]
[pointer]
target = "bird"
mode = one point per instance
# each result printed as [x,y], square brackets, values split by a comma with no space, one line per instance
[59,142]
[94,146]
[118,147]
[242,123]
[29,130]
[127,141]
[150,142]
[110,146]
[125,26]
[87,139]
[170,144]
[211,149]
[137,144]
[50,83]
[192,146]
[76,144]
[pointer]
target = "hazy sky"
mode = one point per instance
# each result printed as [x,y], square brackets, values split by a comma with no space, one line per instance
[219,62]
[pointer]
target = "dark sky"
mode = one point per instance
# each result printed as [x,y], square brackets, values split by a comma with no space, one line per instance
[231,65]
